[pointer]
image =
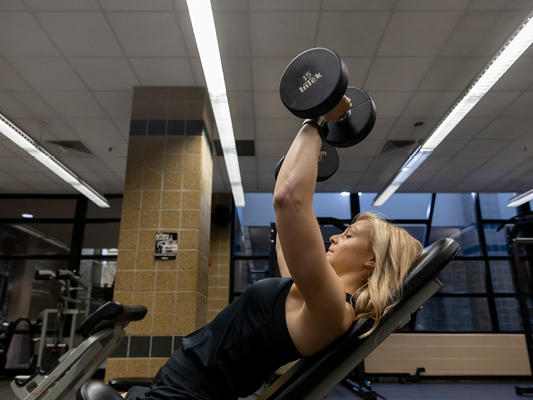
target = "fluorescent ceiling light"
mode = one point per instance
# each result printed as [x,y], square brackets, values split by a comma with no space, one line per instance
[17,136]
[510,52]
[345,193]
[27,216]
[521,199]
[43,236]
[203,26]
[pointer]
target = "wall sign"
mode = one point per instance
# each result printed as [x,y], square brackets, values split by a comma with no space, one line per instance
[166,246]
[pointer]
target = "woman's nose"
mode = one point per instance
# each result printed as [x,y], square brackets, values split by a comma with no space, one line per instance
[333,239]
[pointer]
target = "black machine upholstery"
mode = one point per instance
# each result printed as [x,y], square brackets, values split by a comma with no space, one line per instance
[96,390]
[330,366]
[109,314]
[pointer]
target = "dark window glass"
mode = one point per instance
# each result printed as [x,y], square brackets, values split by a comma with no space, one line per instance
[454,217]
[508,311]
[454,314]
[418,231]
[100,273]
[247,272]
[114,211]
[502,280]
[462,276]
[39,208]
[494,205]
[496,240]
[399,206]
[254,240]
[28,239]
[101,239]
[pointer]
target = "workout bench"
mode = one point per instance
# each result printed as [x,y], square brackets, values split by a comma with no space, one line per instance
[313,377]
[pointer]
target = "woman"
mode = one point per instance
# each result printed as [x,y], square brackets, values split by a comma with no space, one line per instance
[279,320]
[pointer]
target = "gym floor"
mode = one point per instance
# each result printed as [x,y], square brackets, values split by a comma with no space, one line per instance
[393,391]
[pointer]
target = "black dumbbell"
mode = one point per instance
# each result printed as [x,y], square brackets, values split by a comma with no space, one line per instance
[328,162]
[314,83]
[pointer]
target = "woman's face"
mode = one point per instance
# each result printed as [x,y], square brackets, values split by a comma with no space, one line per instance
[352,249]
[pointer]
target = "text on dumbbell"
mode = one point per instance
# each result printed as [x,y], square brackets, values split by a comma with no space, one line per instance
[323,153]
[309,79]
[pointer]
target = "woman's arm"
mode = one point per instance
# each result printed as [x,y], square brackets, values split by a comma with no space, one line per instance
[299,233]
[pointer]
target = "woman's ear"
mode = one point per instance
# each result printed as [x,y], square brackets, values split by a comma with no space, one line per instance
[371,263]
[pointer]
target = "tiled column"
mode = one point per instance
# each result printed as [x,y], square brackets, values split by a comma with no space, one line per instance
[168,189]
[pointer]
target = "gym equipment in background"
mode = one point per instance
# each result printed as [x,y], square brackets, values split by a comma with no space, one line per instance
[314,83]
[71,283]
[313,377]
[103,330]
[520,278]
[10,329]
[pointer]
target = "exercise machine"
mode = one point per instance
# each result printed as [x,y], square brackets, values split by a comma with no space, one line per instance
[103,330]
[313,377]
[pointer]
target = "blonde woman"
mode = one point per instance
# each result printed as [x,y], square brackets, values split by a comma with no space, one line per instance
[279,320]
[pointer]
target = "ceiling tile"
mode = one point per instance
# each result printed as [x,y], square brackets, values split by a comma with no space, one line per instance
[390,104]
[89,164]
[105,73]
[429,104]
[432,5]
[12,108]
[233,33]
[241,104]
[52,129]
[151,34]
[47,188]
[375,177]
[137,5]
[248,164]
[468,187]
[521,107]
[464,164]
[185,25]
[16,188]
[4,152]
[100,148]
[419,177]
[481,33]
[250,186]
[432,187]
[13,5]
[74,104]
[21,35]
[88,34]
[17,164]
[417,33]
[500,5]
[493,103]
[405,128]
[350,164]
[450,147]
[269,105]
[10,79]
[286,5]
[30,177]
[237,73]
[6,178]
[336,5]
[48,73]
[95,129]
[468,128]
[391,164]
[34,103]
[266,177]
[123,125]
[243,128]
[277,128]
[482,177]
[408,187]
[525,166]
[358,68]
[366,148]
[116,104]
[518,147]
[163,71]
[382,128]
[433,163]
[483,148]
[272,148]
[518,77]
[62,5]
[447,177]
[361,32]
[452,73]
[267,164]
[13,148]
[506,128]
[397,73]
[267,72]
[270,30]
[198,72]
[504,163]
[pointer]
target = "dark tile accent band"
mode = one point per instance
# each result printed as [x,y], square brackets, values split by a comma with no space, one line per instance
[177,342]
[175,127]
[139,346]
[194,127]
[122,349]
[161,346]
[157,127]
[138,127]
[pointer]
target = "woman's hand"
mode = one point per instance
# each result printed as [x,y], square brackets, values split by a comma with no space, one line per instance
[340,109]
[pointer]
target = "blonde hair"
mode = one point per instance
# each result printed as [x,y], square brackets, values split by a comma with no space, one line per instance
[395,250]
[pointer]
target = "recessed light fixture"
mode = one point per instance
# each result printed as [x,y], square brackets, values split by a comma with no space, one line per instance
[27,216]
[521,199]
[345,193]
[203,26]
[506,56]
[21,139]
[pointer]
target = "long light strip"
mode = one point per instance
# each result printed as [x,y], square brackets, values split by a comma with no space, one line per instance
[521,199]
[203,26]
[504,59]
[17,136]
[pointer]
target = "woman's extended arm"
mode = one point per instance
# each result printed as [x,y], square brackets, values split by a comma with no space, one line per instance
[299,233]
[282,265]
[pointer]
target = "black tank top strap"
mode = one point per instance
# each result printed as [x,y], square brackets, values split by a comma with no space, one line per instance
[349,299]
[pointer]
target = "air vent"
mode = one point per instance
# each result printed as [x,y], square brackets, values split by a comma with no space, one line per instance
[391,145]
[245,148]
[72,145]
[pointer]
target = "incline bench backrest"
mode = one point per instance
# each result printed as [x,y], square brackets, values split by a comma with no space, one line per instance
[313,377]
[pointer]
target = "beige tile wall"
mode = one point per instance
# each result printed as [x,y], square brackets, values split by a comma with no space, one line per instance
[168,189]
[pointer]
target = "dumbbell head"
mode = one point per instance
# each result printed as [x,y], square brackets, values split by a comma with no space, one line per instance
[328,163]
[357,124]
[313,83]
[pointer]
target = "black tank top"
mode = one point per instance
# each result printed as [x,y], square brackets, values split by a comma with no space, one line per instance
[246,342]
